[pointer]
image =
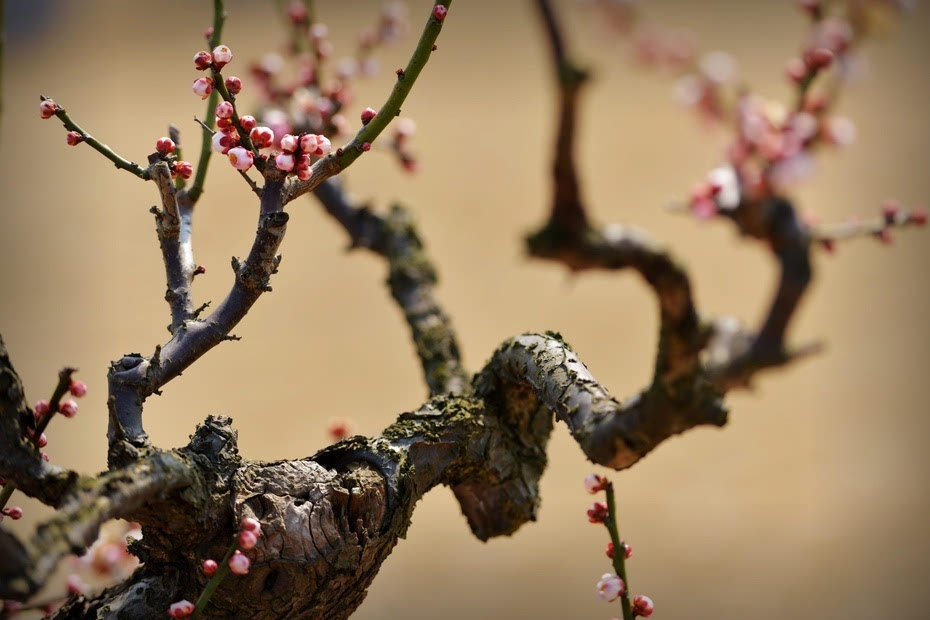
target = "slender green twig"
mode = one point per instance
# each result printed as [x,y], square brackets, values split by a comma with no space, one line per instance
[103,149]
[64,383]
[206,144]
[343,157]
[221,572]
[619,558]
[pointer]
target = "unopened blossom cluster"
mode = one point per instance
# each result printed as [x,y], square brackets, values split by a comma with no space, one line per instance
[315,103]
[611,586]
[237,563]
[42,413]
[775,142]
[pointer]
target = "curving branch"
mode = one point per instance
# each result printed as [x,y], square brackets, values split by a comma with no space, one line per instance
[134,378]
[412,278]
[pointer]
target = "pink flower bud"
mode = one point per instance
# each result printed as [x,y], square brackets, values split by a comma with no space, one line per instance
[41,409]
[323,146]
[840,131]
[304,174]
[597,513]
[77,388]
[221,56]
[224,124]
[203,87]
[164,146]
[46,457]
[247,539]
[183,169]
[289,143]
[297,11]
[239,564]
[222,142]
[208,32]
[627,550]
[203,60]
[610,550]
[224,109]
[918,216]
[643,606]
[285,161]
[233,84]
[340,428]
[76,585]
[261,137]
[248,524]
[181,609]
[366,146]
[309,143]
[440,12]
[69,409]
[43,440]
[818,58]
[319,31]
[796,69]
[890,210]
[240,158]
[14,512]
[247,122]
[610,587]
[74,138]
[48,108]
[209,567]
[594,483]
[885,236]
[367,115]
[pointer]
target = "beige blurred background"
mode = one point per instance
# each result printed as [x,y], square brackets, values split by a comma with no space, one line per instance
[812,503]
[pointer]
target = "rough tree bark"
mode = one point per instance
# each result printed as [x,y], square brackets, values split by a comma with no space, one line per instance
[330,520]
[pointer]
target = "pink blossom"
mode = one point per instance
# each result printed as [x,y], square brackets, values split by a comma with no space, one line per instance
[233,85]
[239,564]
[224,109]
[14,512]
[202,60]
[221,56]
[181,609]
[183,169]
[209,567]
[594,483]
[367,115]
[48,108]
[69,409]
[222,142]
[74,138]
[818,58]
[262,137]
[643,606]
[285,161]
[164,146]
[43,440]
[41,408]
[240,158]
[203,87]
[610,587]
[340,428]
[597,513]
[247,122]
[840,131]
[247,539]
[289,143]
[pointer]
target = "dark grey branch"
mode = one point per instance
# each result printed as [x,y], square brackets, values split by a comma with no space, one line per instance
[412,278]
[134,378]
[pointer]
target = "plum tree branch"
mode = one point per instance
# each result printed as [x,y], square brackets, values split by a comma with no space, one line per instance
[412,278]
